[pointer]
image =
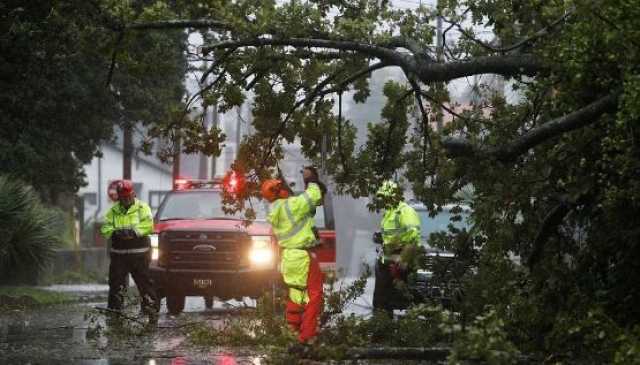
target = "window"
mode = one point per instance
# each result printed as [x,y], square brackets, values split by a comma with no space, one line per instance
[90,198]
[440,222]
[203,205]
[155,198]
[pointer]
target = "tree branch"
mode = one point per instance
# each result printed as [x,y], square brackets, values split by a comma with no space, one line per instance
[178,24]
[540,33]
[426,71]
[114,56]
[425,122]
[216,64]
[387,144]
[443,106]
[500,65]
[319,93]
[370,49]
[457,147]
[550,224]
[411,45]
[342,84]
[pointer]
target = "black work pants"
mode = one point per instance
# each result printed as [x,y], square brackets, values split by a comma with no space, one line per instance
[386,297]
[136,264]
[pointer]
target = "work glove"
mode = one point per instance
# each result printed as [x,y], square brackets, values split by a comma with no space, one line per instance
[396,270]
[131,233]
[323,190]
[116,235]
[124,234]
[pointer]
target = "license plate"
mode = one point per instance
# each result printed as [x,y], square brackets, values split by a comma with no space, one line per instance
[202,283]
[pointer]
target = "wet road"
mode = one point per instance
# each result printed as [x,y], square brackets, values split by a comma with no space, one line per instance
[65,334]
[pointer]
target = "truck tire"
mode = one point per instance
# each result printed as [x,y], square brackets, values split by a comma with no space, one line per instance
[175,303]
[274,292]
[208,302]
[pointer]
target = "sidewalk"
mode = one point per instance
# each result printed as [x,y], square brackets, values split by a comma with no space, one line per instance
[83,292]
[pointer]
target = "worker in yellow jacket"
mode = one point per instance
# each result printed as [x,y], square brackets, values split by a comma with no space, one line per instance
[128,224]
[292,222]
[400,237]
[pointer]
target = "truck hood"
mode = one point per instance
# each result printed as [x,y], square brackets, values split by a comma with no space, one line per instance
[260,228]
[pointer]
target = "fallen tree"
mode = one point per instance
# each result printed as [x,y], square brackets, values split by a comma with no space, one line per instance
[551,155]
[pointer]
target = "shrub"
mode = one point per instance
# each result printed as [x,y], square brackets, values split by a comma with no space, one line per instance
[485,341]
[28,232]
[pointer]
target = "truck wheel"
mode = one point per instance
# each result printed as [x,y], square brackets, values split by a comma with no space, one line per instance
[175,303]
[208,302]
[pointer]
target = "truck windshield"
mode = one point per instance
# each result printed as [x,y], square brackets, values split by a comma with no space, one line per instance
[202,205]
[440,222]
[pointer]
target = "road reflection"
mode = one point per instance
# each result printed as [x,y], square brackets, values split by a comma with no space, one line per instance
[211,359]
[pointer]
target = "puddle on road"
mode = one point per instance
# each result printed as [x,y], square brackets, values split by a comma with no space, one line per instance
[213,359]
[63,335]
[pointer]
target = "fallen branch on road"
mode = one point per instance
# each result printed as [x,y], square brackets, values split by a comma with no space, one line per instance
[119,313]
[399,353]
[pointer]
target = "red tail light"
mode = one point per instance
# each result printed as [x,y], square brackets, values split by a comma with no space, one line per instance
[233,182]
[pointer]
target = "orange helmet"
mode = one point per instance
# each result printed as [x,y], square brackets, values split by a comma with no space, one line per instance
[272,189]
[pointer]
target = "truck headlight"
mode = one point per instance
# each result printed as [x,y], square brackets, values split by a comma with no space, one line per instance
[261,252]
[155,250]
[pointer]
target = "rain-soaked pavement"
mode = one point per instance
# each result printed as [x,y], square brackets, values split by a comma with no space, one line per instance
[62,334]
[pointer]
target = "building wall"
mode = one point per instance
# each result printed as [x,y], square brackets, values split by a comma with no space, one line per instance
[103,170]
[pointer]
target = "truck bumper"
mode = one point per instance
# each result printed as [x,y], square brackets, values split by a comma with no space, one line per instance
[222,284]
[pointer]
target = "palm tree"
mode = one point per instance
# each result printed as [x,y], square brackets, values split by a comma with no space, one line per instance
[28,233]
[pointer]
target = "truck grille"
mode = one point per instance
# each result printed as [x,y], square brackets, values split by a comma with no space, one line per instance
[207,250]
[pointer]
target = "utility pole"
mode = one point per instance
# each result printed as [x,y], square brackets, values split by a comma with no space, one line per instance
[238,129]
[439,58]
[127,150]
[323,154]
[214,124]
[176,158]
[202,158]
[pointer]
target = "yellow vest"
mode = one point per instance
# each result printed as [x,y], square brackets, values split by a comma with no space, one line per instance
[138,217]
[400,226]
[292,223]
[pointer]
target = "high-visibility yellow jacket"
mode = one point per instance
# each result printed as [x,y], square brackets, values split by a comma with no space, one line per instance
[292,223]
[400,226]
[138,217]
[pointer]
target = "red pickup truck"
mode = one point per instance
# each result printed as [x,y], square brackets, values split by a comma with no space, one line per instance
[198,250]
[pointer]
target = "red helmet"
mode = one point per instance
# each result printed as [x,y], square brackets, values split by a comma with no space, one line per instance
[272,190]
[124,188]
[111,190]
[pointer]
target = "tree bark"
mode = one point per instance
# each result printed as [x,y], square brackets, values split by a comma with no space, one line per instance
[426,70]
[179,24]
[458,147]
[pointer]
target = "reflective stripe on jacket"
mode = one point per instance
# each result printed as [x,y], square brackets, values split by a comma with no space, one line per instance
[292,223]
[138,217]
[400,226]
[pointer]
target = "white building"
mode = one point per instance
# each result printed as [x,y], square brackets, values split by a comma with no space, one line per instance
[151,177]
